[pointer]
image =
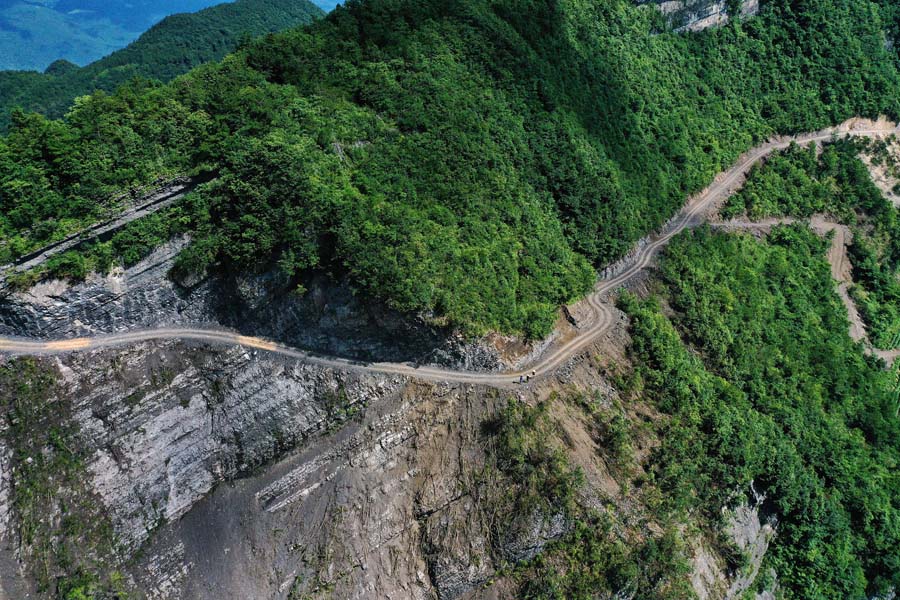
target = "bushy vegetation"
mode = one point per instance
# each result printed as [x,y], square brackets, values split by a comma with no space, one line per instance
[168,49]
[125,247]
[523,451]
[788,182]
[762,384]
[472,158]
[797,183]
[877,293]
[593,557]
[592,560]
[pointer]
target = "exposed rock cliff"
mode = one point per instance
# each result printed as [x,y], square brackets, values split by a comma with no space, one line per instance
[223,472]
[246,475]
[328,317]
[696,15]
[377,505]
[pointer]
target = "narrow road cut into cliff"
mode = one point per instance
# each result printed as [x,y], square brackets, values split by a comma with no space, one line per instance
[695,212]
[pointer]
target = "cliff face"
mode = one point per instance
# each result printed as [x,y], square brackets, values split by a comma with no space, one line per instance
[224,473]
[328,318]
[371,492]
[192,471]
[697,15]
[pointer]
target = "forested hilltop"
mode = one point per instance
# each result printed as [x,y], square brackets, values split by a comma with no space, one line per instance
[474,158]
[170,48]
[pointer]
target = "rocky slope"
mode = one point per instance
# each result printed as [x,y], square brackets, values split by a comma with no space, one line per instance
[375,491]
[222,471]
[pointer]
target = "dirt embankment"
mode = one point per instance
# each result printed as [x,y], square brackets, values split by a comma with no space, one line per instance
[884,168]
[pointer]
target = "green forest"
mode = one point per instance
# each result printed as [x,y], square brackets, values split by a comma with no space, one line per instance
[168,49]
[741,349]
[798,183]
[477,161]
[474,158]
[763,386]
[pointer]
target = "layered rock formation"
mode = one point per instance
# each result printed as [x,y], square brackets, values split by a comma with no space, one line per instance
[373,495]
[228,473]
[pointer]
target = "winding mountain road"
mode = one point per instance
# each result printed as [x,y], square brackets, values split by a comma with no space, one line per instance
[603,316]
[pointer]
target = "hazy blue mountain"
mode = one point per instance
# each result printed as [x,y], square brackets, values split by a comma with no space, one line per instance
[34,33]
[171,47]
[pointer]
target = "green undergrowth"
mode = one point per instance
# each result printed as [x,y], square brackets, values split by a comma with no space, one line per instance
[521,444]
[126,247]
[761,385]
[69,543]
[798,183]
[592,559]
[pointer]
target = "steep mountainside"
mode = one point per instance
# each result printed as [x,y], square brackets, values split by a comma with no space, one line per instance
[428,181]
[170,48]
[452,158]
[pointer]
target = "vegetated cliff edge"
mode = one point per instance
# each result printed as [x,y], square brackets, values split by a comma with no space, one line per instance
[328,317]
[225,470]
[478,177]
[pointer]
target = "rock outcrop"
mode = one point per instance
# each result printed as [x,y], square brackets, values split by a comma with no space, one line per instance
[697,15]
[328,317]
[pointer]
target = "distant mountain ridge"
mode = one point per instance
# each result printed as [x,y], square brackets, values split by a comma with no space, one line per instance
[34,33]
[171,47]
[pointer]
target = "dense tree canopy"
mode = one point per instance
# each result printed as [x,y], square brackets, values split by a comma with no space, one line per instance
[797,182]
[472,158]
[763,385]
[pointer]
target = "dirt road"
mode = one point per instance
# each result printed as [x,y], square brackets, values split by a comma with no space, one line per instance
[694,212]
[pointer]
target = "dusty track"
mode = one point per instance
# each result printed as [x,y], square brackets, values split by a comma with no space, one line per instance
[693,213]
